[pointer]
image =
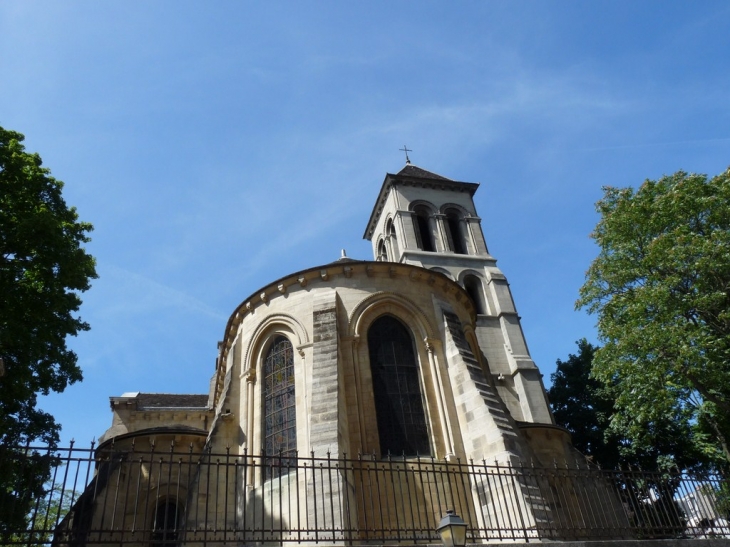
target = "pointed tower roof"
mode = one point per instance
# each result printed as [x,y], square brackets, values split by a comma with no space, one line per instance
[412,175]
[411,170]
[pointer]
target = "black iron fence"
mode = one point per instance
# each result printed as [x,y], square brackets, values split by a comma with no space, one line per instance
[172,497]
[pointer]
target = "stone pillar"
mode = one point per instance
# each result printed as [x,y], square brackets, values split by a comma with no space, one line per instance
[435,229]
[488,430]
[407,225]
[476,236]
[324,420]
[446,432]
[490,434]
[325,392]
[443,244]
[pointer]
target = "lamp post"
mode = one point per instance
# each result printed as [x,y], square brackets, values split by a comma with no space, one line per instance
[452,530]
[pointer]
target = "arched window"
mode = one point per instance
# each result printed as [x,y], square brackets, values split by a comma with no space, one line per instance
[396,386]
[166,525]
[474,289]
[456,235]
[392,239]
[390,229]
[423,232]
[382,252]
[280,420]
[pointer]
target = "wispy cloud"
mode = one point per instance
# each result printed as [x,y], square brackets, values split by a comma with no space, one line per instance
[137,294]
[692,142]
[568,98]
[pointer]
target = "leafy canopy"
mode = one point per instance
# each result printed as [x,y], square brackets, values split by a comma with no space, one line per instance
[585,406]
[43,268]
[582,405]
[659,288]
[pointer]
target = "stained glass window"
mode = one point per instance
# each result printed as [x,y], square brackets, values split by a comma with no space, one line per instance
[280,422]
[398,401]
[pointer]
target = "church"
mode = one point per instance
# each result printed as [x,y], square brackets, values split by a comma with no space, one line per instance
[400,370]
[419,352]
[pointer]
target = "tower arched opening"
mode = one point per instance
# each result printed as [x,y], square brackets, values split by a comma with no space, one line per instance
[474,288]
[457,239]
[424,233]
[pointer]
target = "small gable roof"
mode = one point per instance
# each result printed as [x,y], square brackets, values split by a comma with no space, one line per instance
[411,170]
[170,400]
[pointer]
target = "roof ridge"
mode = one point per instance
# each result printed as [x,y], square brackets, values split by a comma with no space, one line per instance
[167,393]
[415,171]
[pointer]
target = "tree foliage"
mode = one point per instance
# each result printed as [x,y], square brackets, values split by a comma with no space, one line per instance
[659,288]
[43,268]
[582,405]
[47,512]
[585,406]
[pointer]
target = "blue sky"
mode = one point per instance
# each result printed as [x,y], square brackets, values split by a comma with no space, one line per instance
[218,146]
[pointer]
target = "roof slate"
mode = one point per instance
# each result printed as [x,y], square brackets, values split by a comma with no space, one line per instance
[413,171]
[171,400]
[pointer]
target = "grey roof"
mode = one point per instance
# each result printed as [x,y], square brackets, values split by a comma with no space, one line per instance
[411,170]
[170,400]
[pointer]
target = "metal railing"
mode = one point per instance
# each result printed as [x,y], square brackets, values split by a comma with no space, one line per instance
[172,497]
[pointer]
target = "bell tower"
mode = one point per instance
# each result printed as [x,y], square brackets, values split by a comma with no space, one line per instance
[428,220]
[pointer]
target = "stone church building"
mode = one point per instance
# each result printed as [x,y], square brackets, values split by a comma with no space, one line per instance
[417,355]
[418,352]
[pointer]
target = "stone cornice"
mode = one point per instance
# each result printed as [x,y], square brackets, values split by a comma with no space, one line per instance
[447,256]
[154,432]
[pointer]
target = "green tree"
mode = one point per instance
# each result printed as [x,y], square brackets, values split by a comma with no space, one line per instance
[660,288]
[586,406]
[583,406]
[46,513]
[43,268]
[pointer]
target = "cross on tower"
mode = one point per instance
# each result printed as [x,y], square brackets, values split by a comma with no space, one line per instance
[406,150]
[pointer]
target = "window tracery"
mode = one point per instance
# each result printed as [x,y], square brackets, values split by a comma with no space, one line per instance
[280,427]
[382,251]
[399,407]
[392,240]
